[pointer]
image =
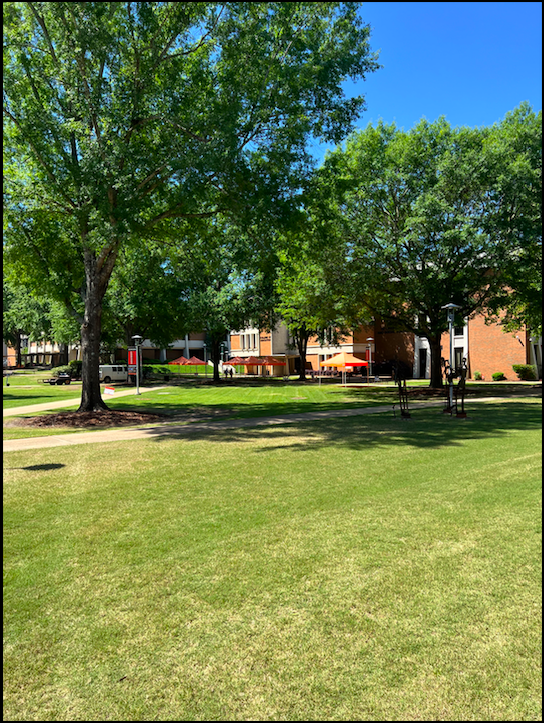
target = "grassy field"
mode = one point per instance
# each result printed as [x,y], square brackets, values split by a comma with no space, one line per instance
[352,569]
[236,399]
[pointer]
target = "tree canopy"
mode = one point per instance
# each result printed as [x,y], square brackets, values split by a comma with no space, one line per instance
[122,117]
[437,215]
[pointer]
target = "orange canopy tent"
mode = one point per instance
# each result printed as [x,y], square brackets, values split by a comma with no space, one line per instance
[273,362]
[344,360]
[195,360]
[255,361]
[179,360]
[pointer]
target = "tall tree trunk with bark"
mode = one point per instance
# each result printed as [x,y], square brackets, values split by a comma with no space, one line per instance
[215,353]
[97,275]
[18,359]
[301,339]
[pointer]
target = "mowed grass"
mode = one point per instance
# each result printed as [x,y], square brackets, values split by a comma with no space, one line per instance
[26,391]
[367,568]
[254,399]
[226,401]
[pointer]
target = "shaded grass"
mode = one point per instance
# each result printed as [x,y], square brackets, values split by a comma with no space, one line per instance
[352,569]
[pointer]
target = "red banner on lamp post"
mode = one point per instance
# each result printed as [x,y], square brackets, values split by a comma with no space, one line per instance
[132,360]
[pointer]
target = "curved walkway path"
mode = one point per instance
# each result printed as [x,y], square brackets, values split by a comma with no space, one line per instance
[177,430]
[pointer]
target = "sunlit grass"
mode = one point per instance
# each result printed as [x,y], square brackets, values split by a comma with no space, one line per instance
[361,569]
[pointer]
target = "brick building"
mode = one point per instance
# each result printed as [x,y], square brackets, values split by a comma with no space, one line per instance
[486,347]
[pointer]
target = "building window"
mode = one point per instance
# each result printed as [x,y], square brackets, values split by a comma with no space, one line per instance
[458,330]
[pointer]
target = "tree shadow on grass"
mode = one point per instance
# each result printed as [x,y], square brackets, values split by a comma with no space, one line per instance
[427,428]
[40,467]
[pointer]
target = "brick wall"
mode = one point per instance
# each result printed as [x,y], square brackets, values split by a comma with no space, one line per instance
[396,346]
[491,350]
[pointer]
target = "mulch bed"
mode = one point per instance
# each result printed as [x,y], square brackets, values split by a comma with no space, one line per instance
[89,420]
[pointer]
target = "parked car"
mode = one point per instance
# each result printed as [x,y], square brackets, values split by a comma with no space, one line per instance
[113,373]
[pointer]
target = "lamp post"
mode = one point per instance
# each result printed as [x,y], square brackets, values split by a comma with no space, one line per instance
[370,340]
[137,339]
[451,316]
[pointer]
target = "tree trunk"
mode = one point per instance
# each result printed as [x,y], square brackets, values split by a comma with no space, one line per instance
[215,353]
[302,344]
[18,359]
[436,362]
[96,284]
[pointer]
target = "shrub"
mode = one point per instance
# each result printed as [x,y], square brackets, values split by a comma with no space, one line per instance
[498,377]
[60,370]
[75,368]
[478,376]
[525,372]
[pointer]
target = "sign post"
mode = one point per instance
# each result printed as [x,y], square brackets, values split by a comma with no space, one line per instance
[138,341]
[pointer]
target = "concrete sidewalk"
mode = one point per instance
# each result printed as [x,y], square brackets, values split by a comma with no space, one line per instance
[163,431]
[177,430]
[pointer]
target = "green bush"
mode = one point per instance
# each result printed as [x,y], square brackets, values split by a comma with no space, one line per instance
[75,368]
[498,377]
[61,370]
[525,372]
[156,369]
[478,376]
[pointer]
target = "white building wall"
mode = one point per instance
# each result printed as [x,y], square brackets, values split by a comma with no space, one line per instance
[421,348]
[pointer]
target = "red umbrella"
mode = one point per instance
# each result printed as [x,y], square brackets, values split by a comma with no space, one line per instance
[194,360]
[255,361]
[179,360]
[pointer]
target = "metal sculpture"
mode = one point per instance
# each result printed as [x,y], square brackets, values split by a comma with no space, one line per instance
[403,400]
[455,395]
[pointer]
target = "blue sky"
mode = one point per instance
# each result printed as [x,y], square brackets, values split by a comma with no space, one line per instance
[469,61]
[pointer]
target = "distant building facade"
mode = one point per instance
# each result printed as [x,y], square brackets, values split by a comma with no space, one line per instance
[486,348]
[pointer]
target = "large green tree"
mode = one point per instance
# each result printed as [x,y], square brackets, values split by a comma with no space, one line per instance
[228,286]
[310,287]
[435,215]
[518,223]
[146,296]
[23,315]
[121,116]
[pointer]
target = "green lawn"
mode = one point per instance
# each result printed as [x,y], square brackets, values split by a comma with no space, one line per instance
[23,395]
[353,569]
[255,400]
